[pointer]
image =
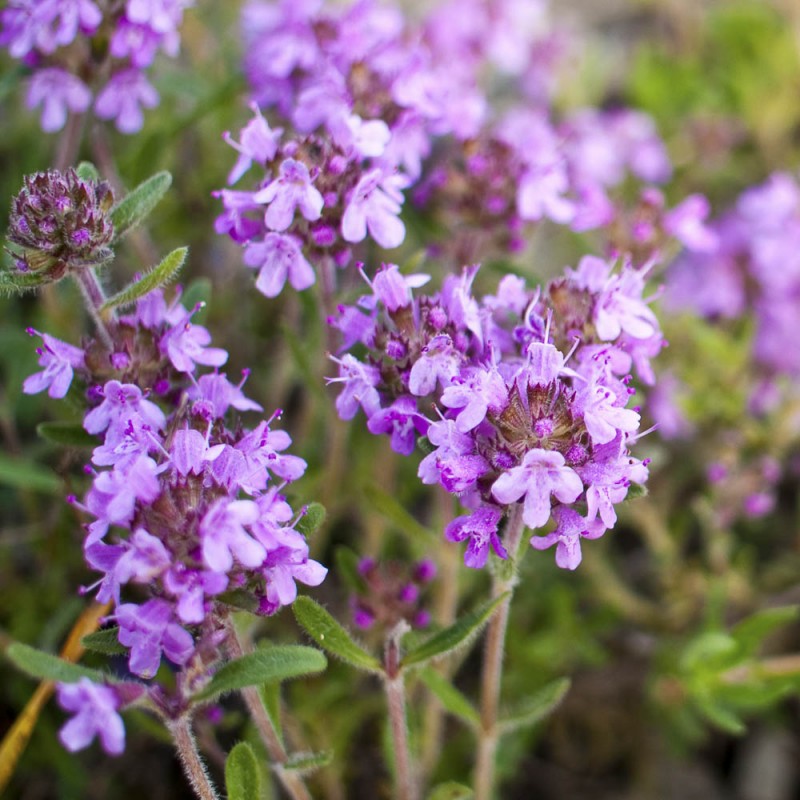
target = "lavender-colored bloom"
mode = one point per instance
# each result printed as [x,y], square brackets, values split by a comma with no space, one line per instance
[439,361]
[570,527]
[59,360]
[191,452]
[123,98]
[686,223]
[393,289]
[481,529]
[375,204]
[540,474]
[113,497]
[95,708]
[258,143]
[292,189]
[59,93]
[402,421]
[190,587]
[475,394]
[223,535]
[279,257]
[120,402]
[359,390]
[148,630]
[221,394]
[186,345]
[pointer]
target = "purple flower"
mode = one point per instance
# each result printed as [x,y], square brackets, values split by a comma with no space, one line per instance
[122,100]
[402,421]
[375,204]
[120,402]
[58,92]
[221,394]
[570,527]
[259,143]
[686,223]
[191,451]
[186,344]
[481,529]
[113,496]
[359,390]
[95,708]
[292,189]
[148,630]
[278,257]
[223,535]
[541,474]
[439,361]
[59,359]
[477,392]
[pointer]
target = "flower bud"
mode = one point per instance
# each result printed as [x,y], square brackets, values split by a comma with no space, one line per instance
[61,222]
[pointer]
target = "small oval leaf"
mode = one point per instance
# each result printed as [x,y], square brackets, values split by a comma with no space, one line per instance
[457,635]
[312,519]
[156,278]
[451,791]
[242,776]
[39,664]
[450,697]
[537,707]
[66,434]
[138,203]
[87,171]
[305,763]
[267,664]
[105,641]
[328,633]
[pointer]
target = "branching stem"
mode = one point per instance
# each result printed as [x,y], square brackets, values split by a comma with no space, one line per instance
[291,782]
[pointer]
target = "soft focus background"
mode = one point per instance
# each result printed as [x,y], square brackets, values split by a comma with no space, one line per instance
[651,713]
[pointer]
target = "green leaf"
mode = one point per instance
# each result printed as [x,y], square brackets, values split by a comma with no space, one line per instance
[636,490]
[457,635]
[105,641]
[242,776]
[270,694]
[137,204]
[239,598]
[751,632]
[14,282]
[267,664]
[312,520]
[450,697]
[722,717]
[305,763]
[87,171]
[28,475]
[537,707]
[159,276]
[46,666]
[347,569]
[328,633]
[451,791]
[395,512]
[66,434]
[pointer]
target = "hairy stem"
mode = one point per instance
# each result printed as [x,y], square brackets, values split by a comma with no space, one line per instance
[396,699]
[193,765]
[293,784]
[94,298]
[493,662]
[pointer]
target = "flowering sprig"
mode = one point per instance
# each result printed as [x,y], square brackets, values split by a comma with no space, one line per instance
[86,54]
[530,389]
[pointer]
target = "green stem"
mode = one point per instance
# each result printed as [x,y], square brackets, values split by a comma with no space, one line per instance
[193,766]
[502,583]
[291,782]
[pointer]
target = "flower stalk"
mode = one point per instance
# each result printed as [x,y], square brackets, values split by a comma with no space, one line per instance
[406,782]
[291,782]
[193,766]
[491,680]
